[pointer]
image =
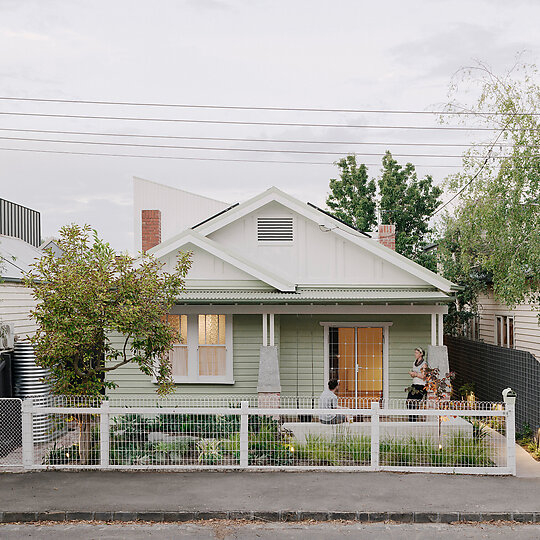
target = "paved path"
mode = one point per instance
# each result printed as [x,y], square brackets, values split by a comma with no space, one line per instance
[228,531]
[270,491]
[526,465]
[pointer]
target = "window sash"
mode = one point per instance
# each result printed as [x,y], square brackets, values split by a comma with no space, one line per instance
[212,361]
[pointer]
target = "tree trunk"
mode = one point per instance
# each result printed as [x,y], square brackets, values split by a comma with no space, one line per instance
[85,438]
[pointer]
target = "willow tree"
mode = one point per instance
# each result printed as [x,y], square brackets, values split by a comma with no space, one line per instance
[88,299]
[493,233]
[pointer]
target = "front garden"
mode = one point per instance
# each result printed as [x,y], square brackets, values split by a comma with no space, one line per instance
[210,439]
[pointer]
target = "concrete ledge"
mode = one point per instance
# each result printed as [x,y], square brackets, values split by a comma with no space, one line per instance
[281,515]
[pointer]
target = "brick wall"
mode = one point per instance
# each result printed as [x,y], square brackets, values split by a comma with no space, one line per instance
[387,236]
[151,228]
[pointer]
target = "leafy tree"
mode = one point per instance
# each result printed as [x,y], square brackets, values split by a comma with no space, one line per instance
[494,230]
[352,196]
[404,201]
[89,295]
[408,202]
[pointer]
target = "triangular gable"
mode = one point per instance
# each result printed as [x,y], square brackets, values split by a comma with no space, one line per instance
[225,254]
[336,227]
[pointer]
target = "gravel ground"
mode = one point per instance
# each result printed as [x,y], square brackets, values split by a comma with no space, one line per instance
[225,530]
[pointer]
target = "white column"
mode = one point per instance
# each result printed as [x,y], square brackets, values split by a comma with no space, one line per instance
[104,434]
[433,329]
[27,434]
[271,329]
[265,329]
[440,332]
[244,406]
[375,435]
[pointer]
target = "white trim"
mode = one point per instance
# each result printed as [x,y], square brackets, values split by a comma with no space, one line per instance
[433,329]
[271,329]
[386,363]
[312,309]
[212,247]
[275,194]
[440,330]
[192,343]
[265,329]
[385,325]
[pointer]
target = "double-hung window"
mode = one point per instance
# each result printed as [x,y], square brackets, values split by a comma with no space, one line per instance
[203,350]
[178,355]
[504,331]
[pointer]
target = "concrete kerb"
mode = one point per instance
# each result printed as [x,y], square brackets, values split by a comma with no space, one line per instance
[270,516]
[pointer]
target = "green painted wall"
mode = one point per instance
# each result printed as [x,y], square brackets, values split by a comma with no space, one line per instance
[300,341]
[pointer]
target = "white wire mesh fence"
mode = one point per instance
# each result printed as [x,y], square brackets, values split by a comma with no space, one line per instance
[232,432]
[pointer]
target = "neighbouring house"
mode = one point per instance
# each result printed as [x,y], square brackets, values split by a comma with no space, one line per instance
[20,238]
[282,297]
[498,324]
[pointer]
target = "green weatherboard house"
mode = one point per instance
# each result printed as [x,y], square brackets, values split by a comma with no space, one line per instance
[282,297]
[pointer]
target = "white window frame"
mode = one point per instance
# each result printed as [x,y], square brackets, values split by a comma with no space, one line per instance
[504,318]
[192,343]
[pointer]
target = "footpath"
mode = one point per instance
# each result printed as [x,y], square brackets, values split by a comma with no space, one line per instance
[268,496]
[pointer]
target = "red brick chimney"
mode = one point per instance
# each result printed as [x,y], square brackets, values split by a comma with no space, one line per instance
[387,236]
[151,228]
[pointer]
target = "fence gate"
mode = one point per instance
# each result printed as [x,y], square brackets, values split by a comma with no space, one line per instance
[10,433]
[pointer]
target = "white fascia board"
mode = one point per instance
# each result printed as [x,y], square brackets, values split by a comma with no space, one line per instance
[398,260]
[213,248]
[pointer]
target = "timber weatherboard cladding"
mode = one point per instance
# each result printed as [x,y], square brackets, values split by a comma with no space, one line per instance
[300,341]
[16,301]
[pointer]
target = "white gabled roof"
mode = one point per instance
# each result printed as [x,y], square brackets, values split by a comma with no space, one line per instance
[225,254]
[201,231]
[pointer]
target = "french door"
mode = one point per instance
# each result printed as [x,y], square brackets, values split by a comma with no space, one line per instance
[356,361]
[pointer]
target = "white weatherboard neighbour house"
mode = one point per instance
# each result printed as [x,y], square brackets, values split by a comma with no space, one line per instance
[281,297]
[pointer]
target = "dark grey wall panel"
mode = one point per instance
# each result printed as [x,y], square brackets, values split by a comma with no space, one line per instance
[492,369]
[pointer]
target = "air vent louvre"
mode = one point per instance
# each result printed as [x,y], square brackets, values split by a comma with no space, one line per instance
[270,229]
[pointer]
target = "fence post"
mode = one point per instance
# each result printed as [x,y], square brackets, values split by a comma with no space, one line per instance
[244,417]
[104,420]
[375,435]
[27,434]
[509,398]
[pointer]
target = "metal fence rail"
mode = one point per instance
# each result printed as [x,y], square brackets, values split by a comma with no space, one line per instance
[448,437]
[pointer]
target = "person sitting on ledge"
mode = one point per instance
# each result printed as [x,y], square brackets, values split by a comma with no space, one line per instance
[328,400]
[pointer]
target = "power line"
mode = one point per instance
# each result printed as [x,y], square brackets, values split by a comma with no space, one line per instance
[254,108]
[251,139]
[244,123]
[477,172]
[228,149]
[191,158]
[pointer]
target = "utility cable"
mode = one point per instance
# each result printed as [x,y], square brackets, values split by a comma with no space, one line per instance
[228,149]
[252,108]
[192,158]
[249,139]
[243,123]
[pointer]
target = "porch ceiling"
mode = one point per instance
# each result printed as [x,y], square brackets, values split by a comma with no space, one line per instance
[307,295]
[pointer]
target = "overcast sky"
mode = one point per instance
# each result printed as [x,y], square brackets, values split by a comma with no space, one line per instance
[321,54]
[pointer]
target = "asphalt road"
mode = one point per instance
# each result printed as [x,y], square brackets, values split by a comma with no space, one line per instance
[248,531]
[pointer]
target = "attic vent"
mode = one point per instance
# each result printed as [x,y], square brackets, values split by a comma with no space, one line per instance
[271,229]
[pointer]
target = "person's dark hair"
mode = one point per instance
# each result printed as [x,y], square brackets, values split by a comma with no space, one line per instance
[332,384]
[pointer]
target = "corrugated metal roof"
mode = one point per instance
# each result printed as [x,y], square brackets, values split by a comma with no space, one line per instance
[16,256]
[314,295]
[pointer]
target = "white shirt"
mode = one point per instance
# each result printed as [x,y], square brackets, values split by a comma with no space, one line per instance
[328,400]
[417,380]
